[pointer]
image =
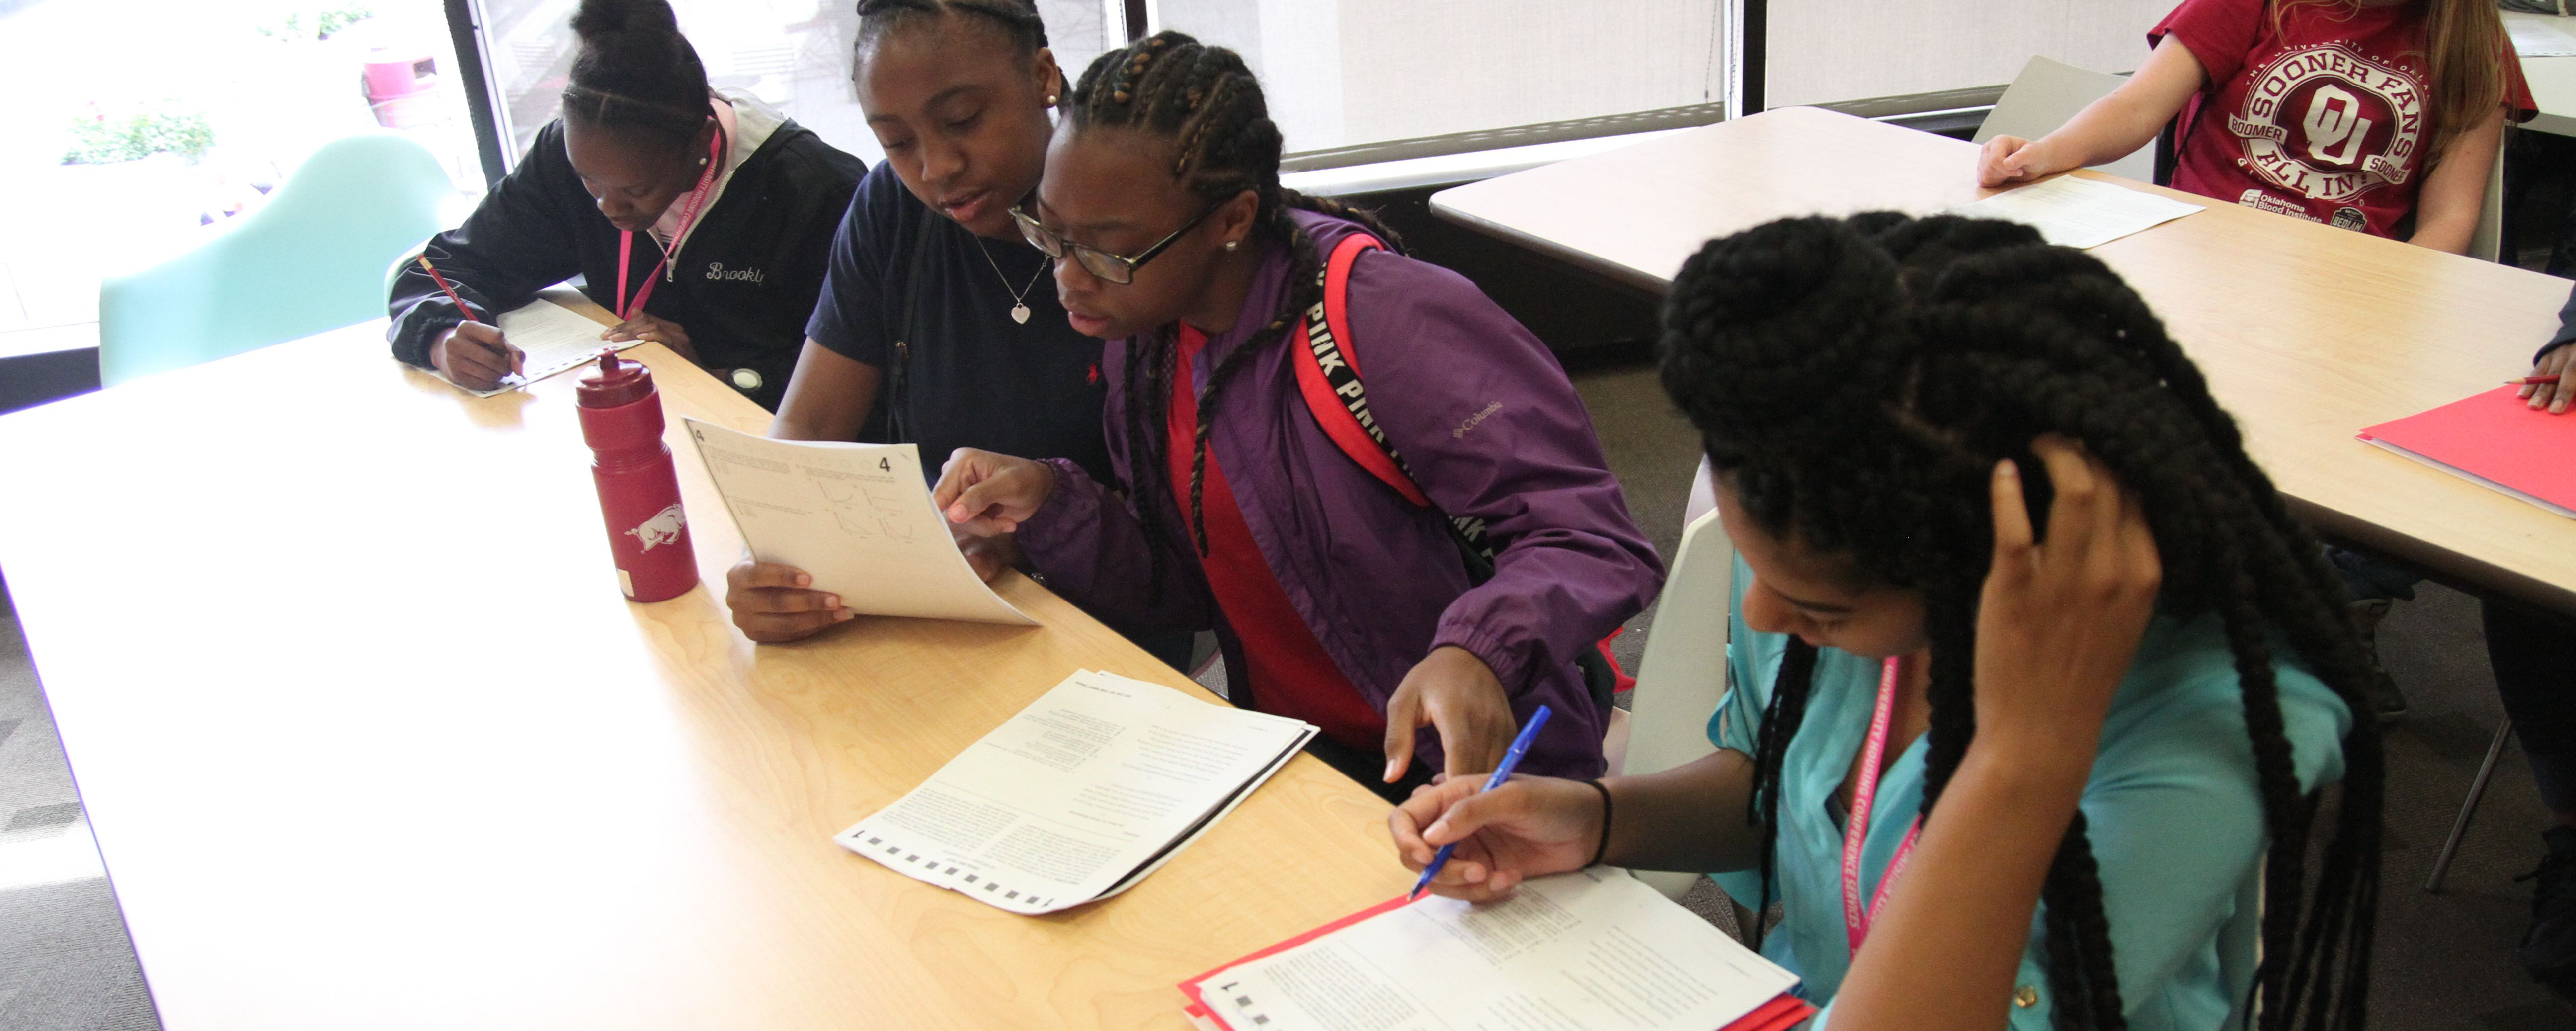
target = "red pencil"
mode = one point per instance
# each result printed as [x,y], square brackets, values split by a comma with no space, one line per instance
[442,284]
[2531,380]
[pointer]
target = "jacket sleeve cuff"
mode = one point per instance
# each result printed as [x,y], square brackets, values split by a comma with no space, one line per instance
[1065,517]
[1511,665]
[418,328]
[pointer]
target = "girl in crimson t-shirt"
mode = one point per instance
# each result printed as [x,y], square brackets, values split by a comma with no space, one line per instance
[2344,112]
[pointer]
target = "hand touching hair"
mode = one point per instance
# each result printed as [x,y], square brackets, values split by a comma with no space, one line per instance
[1856,380]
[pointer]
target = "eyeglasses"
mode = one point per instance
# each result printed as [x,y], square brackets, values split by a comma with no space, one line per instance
[1116,268]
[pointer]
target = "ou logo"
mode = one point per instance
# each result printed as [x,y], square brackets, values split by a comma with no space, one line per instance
[2335,121]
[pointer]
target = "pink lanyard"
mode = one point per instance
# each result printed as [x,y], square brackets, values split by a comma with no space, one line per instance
[1856,825]
[688,217]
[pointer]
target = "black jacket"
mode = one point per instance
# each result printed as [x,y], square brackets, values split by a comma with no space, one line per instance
[744,282]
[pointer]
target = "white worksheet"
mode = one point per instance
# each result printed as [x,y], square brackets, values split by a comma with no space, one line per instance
[553,338]
[2535,38]
[1093,786]
[1596,950]
[854,516]
[2080,213]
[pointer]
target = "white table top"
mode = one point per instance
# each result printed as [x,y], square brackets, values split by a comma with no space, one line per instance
[2307,333]
[2553,81]
[369,739]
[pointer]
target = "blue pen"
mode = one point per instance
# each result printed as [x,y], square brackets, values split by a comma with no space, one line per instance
[1520,747]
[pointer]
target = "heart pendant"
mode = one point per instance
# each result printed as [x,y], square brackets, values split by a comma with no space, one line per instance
[1020,314]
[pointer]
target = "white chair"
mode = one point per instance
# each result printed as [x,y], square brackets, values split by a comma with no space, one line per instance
[1703,494]
[1683,672]
[2045,95]
[2487,243]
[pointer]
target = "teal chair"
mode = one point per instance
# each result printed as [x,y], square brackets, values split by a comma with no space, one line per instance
[313,259]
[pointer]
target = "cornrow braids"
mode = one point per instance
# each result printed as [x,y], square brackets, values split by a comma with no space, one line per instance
[1208,104]
[1017,20]
[1855,381]
[635,74]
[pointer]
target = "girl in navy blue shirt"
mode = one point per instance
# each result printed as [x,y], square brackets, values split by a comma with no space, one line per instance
[938,325]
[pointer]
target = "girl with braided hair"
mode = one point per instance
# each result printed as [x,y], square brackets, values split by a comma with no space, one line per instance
[1337,599]
[2034,679]
[700,219]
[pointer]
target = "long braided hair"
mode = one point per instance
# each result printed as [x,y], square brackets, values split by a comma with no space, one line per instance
[1206,102]
[635,75]
[1855,381]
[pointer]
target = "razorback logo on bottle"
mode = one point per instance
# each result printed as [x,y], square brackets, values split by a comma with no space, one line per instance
[663,528]
[2329,123]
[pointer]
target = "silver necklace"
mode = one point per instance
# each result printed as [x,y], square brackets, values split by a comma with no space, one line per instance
[1019,306]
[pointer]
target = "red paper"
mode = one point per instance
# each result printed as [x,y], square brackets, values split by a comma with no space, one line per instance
[1777,1015]
[2495,437]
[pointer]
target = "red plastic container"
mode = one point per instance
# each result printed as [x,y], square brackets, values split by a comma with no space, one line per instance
[402,85]
[639,495]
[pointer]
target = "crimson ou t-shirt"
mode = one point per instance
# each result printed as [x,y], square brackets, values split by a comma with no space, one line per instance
[2326,119]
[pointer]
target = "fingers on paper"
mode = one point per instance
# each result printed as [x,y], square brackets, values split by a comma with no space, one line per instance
[767,574]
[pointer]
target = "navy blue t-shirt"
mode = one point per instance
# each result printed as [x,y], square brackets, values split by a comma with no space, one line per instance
[973,377]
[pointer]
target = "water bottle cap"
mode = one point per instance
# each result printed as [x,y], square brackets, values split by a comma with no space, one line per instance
[613,382]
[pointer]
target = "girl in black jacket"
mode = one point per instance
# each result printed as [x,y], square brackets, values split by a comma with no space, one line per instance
[704,222]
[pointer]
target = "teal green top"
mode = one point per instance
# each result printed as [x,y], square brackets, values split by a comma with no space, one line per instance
[2174,813]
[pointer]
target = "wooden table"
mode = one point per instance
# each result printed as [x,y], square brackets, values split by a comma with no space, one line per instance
[2307,333]
[369,739]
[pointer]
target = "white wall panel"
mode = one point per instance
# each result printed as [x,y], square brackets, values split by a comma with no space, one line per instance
[1346,72]
[1820,52]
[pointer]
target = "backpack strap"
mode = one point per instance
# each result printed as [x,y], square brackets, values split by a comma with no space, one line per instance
[1329,377]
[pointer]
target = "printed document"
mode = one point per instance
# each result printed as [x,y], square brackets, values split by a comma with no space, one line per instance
[2536,37]
[2079,213]
[554,339]
[1595,950]
[1096,784]
[854,516]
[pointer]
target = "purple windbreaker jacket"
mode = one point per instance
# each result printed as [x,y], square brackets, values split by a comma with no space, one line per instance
[1487,420]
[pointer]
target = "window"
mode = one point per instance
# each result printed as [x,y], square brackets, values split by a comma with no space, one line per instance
[140,130]
[1825,53]
[1345,73]
[794,54]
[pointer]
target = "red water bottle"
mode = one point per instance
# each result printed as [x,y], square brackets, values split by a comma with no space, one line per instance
[621,419]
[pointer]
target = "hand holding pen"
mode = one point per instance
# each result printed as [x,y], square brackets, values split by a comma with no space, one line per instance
[1501,832]
[2542,388]
[472,355]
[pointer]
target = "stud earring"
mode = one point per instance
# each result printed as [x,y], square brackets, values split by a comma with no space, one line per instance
[1231,244]
[1050,100]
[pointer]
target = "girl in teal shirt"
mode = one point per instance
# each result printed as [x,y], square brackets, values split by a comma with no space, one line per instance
[2035,680]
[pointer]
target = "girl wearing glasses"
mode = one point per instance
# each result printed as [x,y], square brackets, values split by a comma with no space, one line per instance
[935,326]
[1337,600]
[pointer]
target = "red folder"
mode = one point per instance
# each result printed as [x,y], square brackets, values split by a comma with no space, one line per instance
[2496,439]
[1779,1014]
